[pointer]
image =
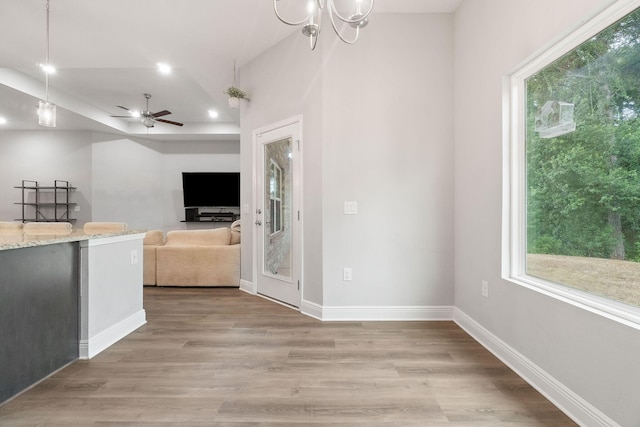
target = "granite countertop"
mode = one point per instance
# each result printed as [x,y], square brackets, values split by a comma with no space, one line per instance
[22,240]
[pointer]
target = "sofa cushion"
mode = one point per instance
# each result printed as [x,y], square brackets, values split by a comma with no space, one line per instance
[104,227]
[235,237]
[215,237]
[10,227]
[149,265]
[153,238]
[235,232]
[193,265]
[47,228]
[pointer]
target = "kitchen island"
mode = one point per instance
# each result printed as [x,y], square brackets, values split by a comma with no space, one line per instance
[64,297]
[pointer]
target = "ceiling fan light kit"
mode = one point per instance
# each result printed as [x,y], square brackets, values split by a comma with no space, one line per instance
[147,118]
[312,23]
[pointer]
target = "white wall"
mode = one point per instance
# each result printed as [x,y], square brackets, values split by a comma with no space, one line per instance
[45,156]
[127,184]
[117,178]
[388,145]
[595,358]
[377,129]
[140,182]
[196,156]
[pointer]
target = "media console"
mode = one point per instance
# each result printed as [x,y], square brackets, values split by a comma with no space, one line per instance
[210,214]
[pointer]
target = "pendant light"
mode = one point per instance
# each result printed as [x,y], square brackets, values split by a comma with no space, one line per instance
[312,23]
[46,109]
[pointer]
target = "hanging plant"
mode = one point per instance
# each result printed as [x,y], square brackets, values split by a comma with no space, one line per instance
[234,92]
[235,95]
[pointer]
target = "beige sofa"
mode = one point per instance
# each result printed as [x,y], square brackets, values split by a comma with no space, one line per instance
[198,258]
[152,240]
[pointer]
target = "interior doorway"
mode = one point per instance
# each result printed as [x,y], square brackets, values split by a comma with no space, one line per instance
[278,214]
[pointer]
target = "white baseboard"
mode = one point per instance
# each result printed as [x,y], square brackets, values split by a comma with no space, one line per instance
[97,343]
[246,286]
[388,313]
[569,402]
[311,309]
[367,313]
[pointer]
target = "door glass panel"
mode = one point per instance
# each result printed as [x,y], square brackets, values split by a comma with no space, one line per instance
[277,212]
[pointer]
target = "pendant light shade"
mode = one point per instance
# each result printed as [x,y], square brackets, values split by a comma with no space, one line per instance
[47,114]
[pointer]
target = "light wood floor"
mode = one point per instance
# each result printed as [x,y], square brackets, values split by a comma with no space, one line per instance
[221,357]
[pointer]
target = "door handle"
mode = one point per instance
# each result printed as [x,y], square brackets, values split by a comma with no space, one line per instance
[258,222]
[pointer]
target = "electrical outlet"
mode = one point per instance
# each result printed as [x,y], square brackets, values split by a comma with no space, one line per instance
[134,256]
[485,289]
[347,274]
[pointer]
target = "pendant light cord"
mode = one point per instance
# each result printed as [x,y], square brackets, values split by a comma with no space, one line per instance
[46,74]
[234,73]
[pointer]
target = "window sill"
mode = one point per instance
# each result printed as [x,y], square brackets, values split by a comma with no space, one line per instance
[612,310]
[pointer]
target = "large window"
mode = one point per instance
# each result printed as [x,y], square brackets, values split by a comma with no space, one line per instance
[574,190]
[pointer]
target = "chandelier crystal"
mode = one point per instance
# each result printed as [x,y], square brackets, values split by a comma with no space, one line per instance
[312,23]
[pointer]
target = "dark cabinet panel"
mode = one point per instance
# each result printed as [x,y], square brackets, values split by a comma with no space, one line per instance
[39,316]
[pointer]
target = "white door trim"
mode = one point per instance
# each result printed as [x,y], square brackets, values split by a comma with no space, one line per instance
[297,119]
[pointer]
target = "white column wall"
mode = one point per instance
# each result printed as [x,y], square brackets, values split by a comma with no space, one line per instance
[127,183]
[388,145]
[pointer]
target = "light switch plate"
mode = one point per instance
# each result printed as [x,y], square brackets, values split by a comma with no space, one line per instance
[350,208]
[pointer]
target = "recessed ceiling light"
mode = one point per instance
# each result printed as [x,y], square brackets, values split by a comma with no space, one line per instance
[3,121]
[213,114]
[164,68]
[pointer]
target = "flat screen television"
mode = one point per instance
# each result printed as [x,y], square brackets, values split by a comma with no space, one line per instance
[211,189]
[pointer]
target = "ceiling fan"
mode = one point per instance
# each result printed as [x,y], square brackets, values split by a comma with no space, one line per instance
[147,117]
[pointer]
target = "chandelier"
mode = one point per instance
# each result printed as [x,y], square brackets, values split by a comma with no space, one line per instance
[46,109]
[312,23]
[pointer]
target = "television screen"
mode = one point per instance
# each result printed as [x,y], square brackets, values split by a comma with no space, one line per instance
[211,189]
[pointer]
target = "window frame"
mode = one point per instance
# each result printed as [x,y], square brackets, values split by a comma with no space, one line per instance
[514,209]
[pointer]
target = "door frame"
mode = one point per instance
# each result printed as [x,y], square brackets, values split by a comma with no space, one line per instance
[256,145]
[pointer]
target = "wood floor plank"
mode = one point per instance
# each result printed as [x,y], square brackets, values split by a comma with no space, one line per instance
[221,357]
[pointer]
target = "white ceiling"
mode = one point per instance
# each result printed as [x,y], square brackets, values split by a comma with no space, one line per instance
[106,54]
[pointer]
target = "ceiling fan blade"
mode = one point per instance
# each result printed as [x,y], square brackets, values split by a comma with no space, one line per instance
[170,122]
[161,113]
[124,108]
[124,117]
